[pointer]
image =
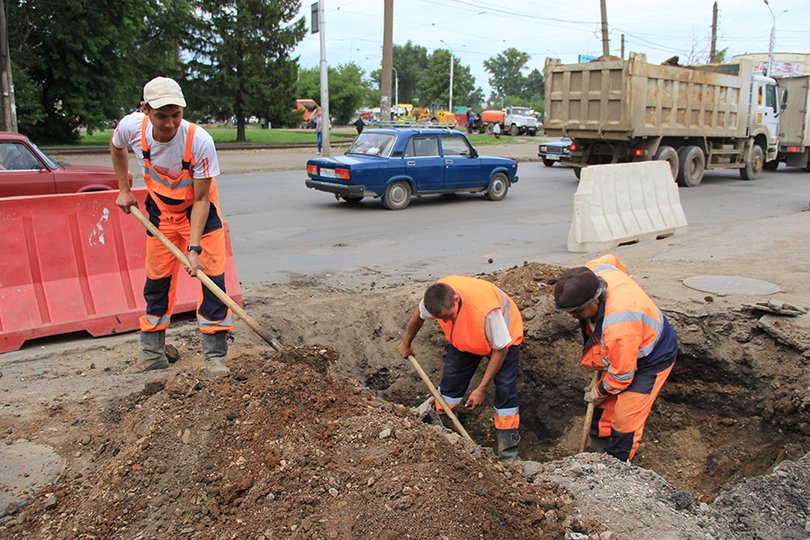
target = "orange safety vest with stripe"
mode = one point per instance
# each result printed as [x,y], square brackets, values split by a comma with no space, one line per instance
[478,298]
[172,195]
[630,333]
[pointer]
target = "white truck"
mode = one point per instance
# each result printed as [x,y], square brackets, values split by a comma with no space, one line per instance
[715,116]
[794,124]
[513,121]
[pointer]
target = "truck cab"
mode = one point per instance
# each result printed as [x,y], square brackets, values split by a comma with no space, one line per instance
[764,114]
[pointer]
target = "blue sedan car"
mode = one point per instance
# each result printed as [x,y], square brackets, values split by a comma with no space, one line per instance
[396,164]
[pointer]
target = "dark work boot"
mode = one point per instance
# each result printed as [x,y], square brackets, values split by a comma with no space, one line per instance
[215,348]
[508,440]
[153,353]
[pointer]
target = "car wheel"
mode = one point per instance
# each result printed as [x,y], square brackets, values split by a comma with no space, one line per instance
[692,165]
[548,162]
[754,166]
[670,155]
[498,187]
[397,195]
[352,200]
[514,130]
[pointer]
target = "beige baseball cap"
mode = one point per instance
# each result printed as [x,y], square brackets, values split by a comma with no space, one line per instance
[162,91]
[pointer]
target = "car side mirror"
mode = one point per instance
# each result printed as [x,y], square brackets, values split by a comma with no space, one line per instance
[473,153]
[396,153]
[784,100]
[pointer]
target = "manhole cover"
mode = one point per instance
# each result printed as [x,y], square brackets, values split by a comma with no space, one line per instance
[731,285]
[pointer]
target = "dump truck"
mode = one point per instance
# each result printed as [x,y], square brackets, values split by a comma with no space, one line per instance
[714,116]
[513,120]
[794,124]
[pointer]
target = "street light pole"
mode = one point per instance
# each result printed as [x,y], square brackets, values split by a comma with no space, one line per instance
[773,38]
[452,61]
[396,86]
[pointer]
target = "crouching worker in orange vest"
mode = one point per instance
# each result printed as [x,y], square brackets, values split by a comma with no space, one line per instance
[179,163]
[478,320]
[628,339]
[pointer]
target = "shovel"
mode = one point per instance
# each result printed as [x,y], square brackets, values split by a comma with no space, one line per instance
[583,442]
[438,397]
[209,284]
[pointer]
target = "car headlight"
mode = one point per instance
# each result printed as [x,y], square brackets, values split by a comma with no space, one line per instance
[543,148]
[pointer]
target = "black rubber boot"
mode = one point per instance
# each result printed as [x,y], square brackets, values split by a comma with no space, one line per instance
[153,353]
[215,348]
[508,440]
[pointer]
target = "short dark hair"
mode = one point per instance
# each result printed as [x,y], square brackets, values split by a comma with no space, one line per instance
[439,298]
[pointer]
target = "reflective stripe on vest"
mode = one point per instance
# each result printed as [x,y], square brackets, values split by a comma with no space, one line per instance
[161,186]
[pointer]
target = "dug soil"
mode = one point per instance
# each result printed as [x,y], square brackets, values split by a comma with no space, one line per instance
[332,440]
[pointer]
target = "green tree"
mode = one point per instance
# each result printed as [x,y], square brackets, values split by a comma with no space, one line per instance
[71,62]
[434,84]
[347,89]
[410,62]
[241,64]
[506,69]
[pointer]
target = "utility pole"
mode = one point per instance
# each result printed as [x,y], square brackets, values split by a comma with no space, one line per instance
[452,61]
[622,46]
[713,53]
[605,42]
[327,150]
[387,62]
[9,118]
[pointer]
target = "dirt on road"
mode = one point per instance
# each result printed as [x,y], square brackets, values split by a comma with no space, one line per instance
[327,439]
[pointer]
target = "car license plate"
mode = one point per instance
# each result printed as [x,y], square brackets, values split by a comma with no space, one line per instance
[328,173]
[552,156]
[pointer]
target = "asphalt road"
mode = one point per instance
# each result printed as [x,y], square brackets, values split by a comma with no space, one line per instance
[281,230]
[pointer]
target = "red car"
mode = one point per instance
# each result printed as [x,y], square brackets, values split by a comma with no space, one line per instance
[25,170]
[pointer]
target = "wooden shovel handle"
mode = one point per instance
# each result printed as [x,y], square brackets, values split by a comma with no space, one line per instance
[583,442]
[209,284]
[438,397]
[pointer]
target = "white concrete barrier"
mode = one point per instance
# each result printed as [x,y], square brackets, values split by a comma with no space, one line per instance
[624,203]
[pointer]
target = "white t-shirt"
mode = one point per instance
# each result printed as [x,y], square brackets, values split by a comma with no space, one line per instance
[167,158]
[495,328]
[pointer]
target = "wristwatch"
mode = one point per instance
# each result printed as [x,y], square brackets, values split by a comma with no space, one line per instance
[197,249]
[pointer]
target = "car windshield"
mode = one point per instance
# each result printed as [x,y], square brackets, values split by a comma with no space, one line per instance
[43,157]
[373,144]
[520,111]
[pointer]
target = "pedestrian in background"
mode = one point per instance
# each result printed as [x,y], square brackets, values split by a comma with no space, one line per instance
[316,118]
[496,130]
[359,125]
[179,163]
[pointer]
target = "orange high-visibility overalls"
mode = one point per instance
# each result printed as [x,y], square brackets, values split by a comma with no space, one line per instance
[634,347]
[169,204]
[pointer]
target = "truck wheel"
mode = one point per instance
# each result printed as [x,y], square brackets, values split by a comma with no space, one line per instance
[692,163]
[514,131]
[548,162]
[670,155]
[498,187]
[754,165]
[397,195]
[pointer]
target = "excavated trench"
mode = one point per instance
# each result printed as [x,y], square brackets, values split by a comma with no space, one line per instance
[731,408]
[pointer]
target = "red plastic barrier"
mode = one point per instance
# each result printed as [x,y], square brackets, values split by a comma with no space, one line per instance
[76,262]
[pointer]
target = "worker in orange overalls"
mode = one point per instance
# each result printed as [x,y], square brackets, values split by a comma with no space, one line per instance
[478,320]
[179,163]
[628,340]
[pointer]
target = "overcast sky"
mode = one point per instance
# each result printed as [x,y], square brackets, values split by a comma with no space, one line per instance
[479,29]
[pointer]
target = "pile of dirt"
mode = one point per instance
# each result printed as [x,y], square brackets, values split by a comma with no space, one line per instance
[319,442]
[279,449]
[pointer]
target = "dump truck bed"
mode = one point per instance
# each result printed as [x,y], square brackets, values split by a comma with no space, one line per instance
[623,99]
[794,119]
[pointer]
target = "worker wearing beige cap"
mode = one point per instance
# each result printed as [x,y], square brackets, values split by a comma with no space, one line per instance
[179,162]
[628,340]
